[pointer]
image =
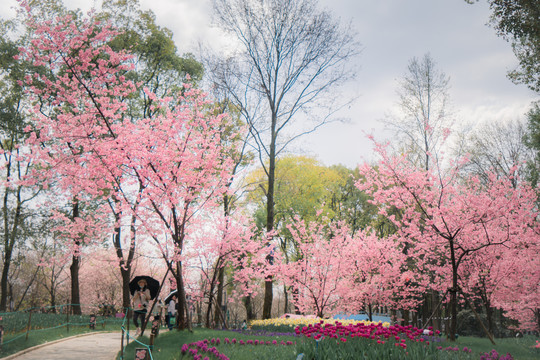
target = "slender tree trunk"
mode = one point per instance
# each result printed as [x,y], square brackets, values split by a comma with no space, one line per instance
[435,297]
[406,317]
[34,276]
[294,294]
[453,293]
[209,306]
[75,293]
[537,316]
[74,268]
[219,296]
[125,263]
[199,312]
[4,281]
[249,308]
[489,317]
[125,266]
[453,315]
[9,242]
[270,216]
[181,294]
[286,298]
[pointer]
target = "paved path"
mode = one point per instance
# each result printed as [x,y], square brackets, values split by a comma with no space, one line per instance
[100,346]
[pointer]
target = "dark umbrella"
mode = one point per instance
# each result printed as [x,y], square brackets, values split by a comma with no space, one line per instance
[168,298]
[151,283]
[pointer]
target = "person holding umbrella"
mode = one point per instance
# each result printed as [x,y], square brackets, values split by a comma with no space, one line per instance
[141,299]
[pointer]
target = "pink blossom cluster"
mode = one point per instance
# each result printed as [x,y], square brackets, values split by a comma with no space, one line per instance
[376,332]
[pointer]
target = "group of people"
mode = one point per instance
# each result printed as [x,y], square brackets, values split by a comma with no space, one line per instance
[141,303]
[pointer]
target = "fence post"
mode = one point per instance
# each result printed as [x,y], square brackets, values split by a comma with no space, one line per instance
[128,313]
[1,333]
[67,317]
[122,344]
[29,324]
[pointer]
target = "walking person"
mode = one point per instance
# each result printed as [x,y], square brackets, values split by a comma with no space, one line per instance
[141,300]
[171,311]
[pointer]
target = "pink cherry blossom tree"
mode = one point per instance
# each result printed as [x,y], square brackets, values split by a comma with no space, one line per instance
[517,276]
[77,90]
[445,219]
[376,277]
[323,264]
[165,170]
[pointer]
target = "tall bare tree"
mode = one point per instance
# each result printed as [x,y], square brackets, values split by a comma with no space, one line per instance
[291,59]
[424,121]
[421,128]
[499,147]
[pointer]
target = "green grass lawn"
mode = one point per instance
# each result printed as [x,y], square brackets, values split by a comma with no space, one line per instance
[169,343]
[520,349]
[168,346]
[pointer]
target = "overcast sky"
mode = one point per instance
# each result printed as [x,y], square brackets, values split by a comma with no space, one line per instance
[391,33]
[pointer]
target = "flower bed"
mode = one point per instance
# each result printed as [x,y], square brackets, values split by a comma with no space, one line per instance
[363,341]
[288,324]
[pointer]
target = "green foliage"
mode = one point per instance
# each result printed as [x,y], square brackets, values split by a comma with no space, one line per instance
[468,324]
[304,187]
[518,21]
[350,204]
[158,65]
[532,140]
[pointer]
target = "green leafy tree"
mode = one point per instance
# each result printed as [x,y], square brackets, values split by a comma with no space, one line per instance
[518,21]
[17,194]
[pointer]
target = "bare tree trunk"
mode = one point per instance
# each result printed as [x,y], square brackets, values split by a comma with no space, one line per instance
[249,308]
[74,269]
[435,300]
[268,288]
[181,322]
[286,298]
[208,322]
[537,316]
[219,296]
[9,242]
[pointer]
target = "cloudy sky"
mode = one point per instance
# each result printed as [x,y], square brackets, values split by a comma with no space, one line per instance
[391,33]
